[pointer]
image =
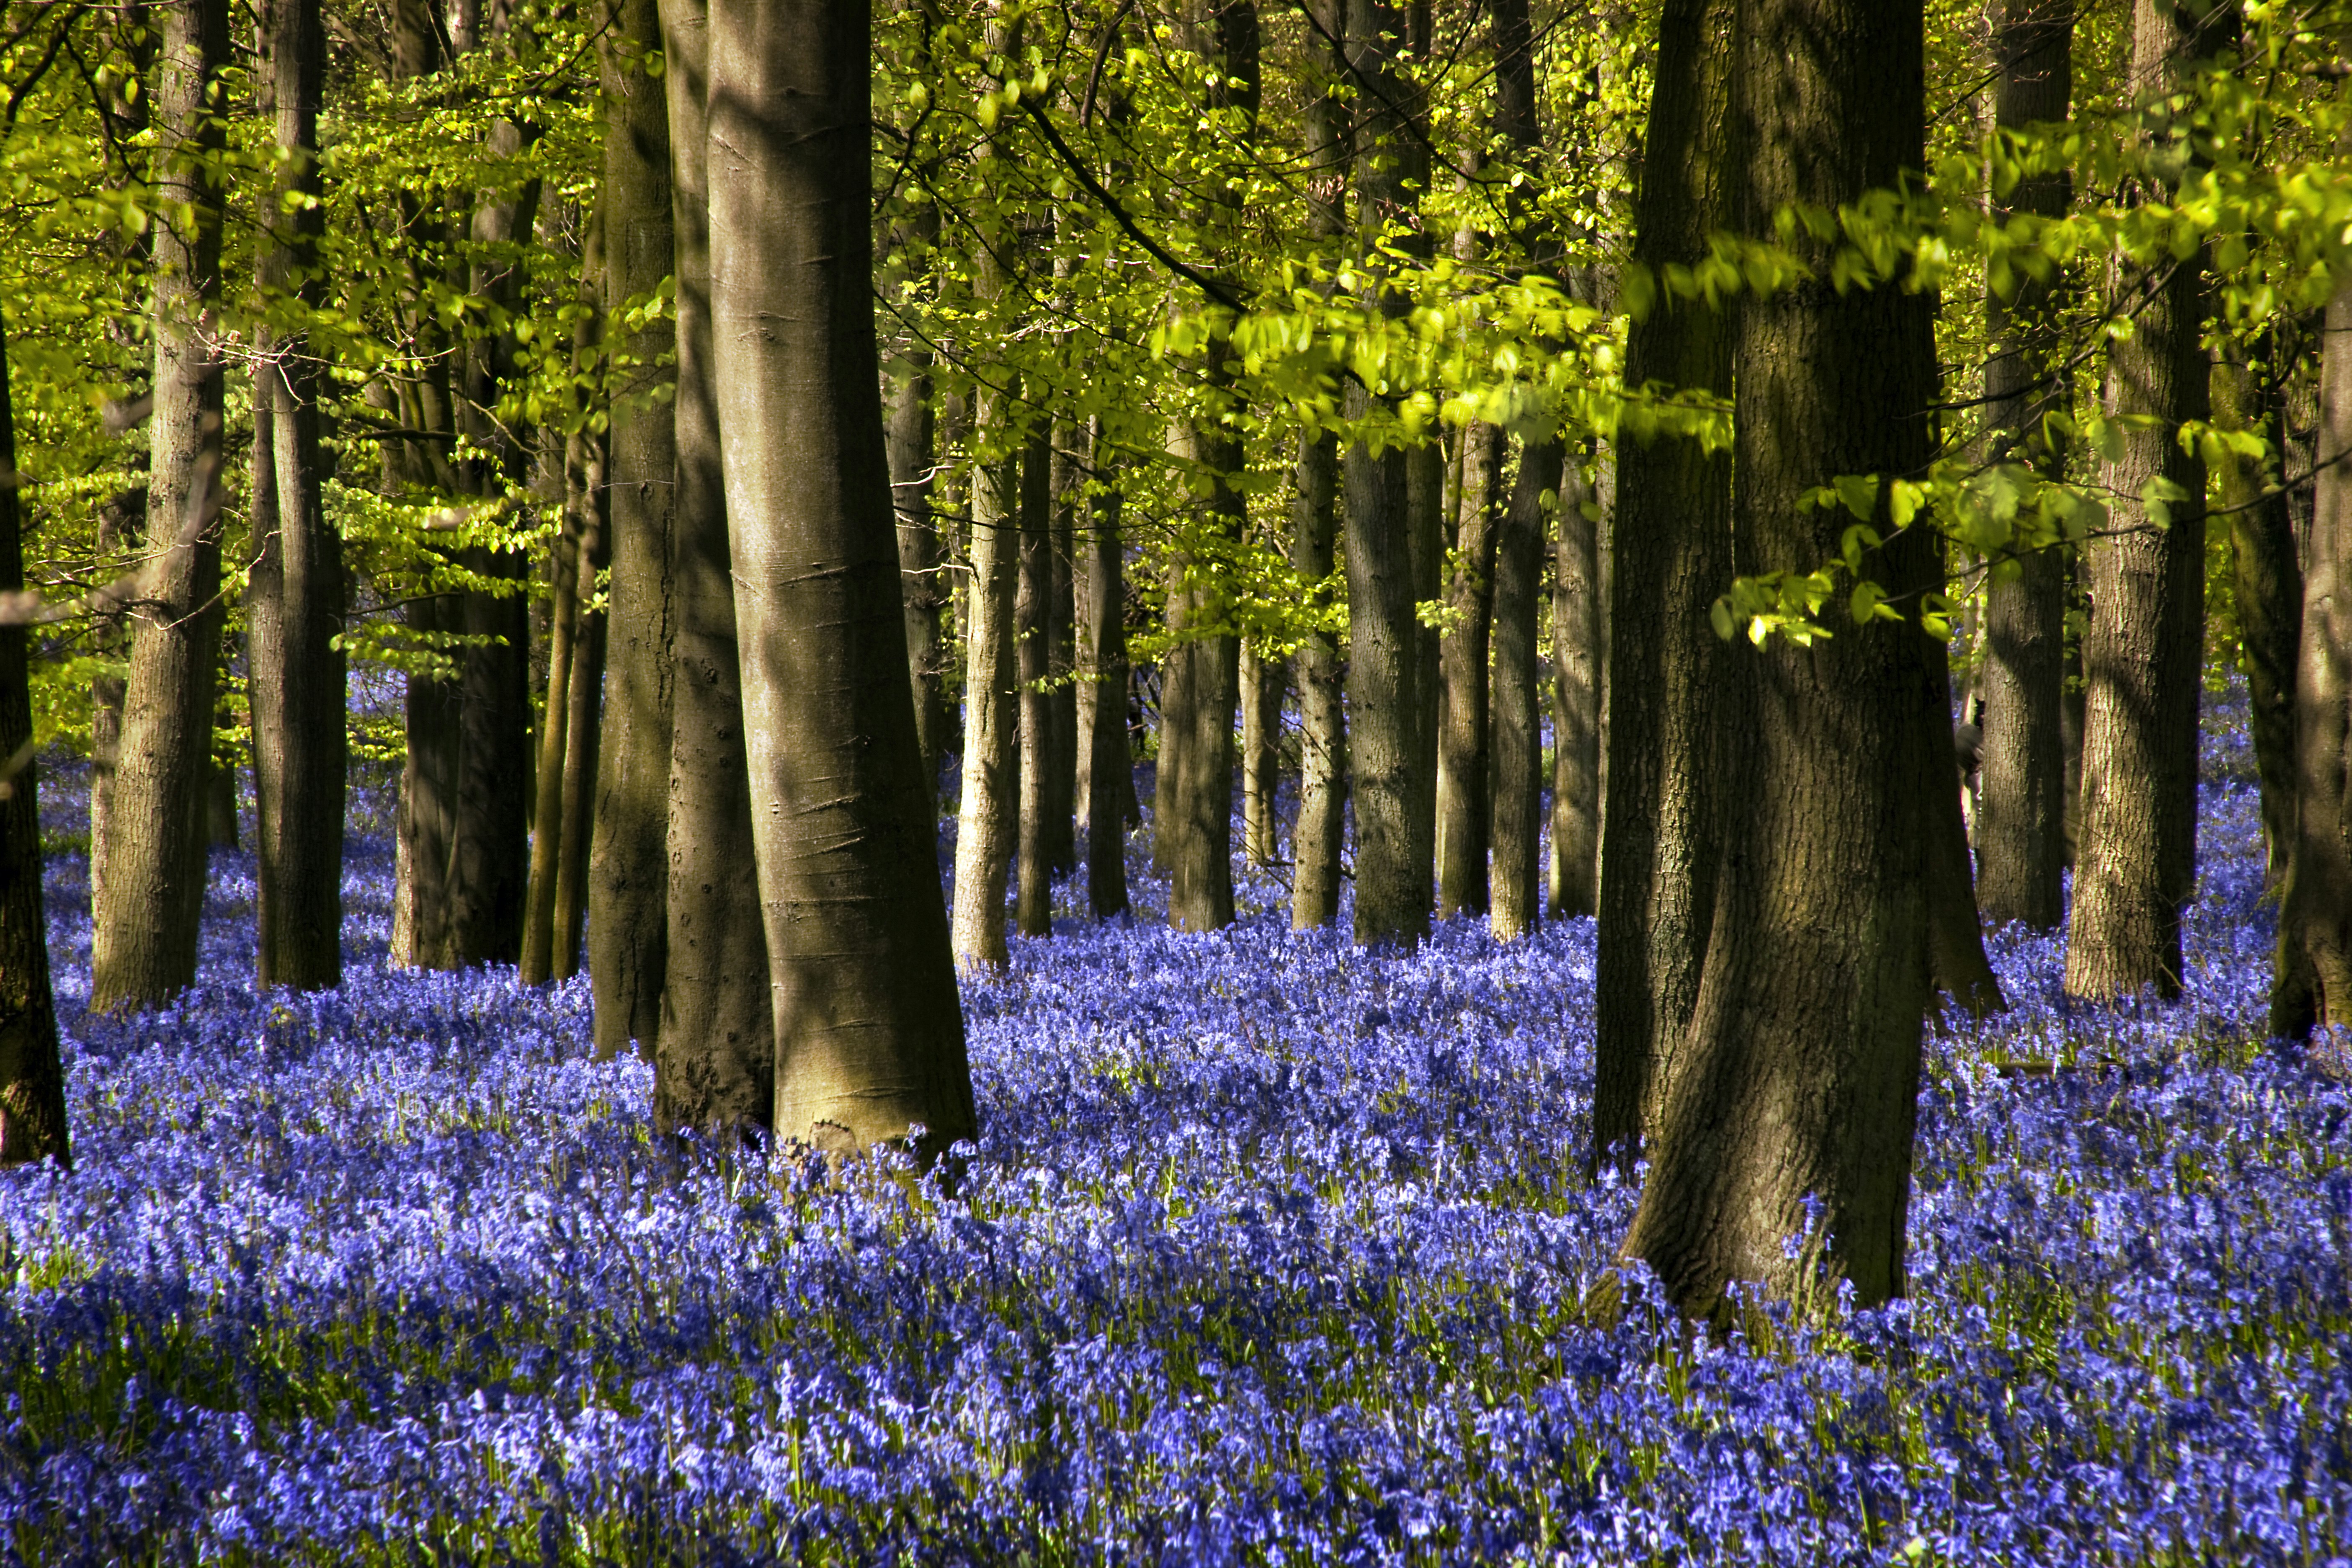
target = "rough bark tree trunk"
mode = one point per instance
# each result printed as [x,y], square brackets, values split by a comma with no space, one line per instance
[1796,1082]
[1108,766]
[32,1070]
[869,1032]
[1314,518]
[1394,829]
[2021,823]
[1464,805]
[2266,580]
[1033,643]
[2143,653]
[1660,837]
[629,915]
[715,1054]
[143,943]
[2311,985]
[294,608]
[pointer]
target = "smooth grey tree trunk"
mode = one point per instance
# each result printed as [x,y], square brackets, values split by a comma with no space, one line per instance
[143,943]
[1061,797]
[715,1056]
[1517,752]
[1033,640]
[32,1070]
[2021,802]
[2143,653]
[988,813]
[869,1032]
[1109,764]
[2266,583]
[294,605]
[1262,691]
[1464,807]
[629,914]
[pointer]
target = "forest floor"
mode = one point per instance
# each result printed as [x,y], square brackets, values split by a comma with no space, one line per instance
[1271,1252]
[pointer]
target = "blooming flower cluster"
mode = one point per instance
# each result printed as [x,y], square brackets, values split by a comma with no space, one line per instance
[1271,1251]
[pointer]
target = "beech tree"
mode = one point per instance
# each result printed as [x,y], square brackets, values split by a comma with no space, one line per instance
[869,1033]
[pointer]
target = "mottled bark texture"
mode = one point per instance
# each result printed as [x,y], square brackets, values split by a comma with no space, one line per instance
[2143,653]
[988,812]
[1032,660]
[32,1071]
[2313,984]
[1109,771]
[1199,689]
[869,1033]
[1666,669]
[2266,584]
[294,604]
[1515,756]
[1313,519]
[2020,830]
[628,854]
[1465,815]
[1515,781]
[583,486]
[1796,1083]
[1395,833]
[143,943]
[715,1054]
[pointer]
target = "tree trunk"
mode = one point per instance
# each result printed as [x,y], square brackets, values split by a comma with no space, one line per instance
[32,1070]
[2020,803]
[715,1054]
[1465,807]
[565,564]
[914,454]
[1573,882]
[1797,1081]
[1062,660]
[1517,746]
[2312,986]
[1955,951]
[2267,577]
[426,821]
[1033,640]
[2143,653]
[144,944]
[1313,519]
[1659,835]
[629,916]
[294,606]
[585,696]
[869,1033]
[1262,691]
[1395,832]
[1108,766]
[987,817]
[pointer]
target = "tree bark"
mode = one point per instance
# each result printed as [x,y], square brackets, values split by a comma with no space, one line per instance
[1109,764]
[1956,951]
[585,696]
[2312,984]
[1314,520]
[2143,653]
[2266,580]
[144,944]
[1262,691]
[1574,875]
[869,1032]
[629,914]
[1032,641]
[2020,805]
[294,606]
[1464,807]
[1062,659]
[1517,747]
[1395,832]
[988,814]
[715,1054]
[32,1070]
[911,431]
[1661,843]
[1797,1081]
